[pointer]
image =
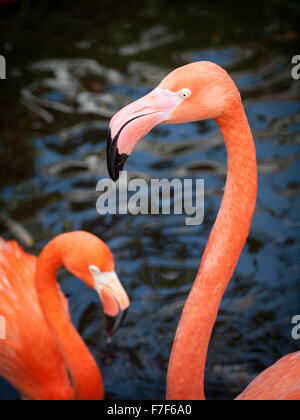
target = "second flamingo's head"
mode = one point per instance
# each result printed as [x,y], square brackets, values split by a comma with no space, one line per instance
[193,92]
[88,258]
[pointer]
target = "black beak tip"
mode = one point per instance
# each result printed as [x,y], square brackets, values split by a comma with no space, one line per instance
[114,323]
[115,160]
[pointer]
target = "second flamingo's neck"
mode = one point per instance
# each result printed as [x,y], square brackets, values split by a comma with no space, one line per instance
[227,239]
[84,373]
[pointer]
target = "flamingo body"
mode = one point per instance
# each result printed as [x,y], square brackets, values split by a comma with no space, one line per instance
[279,382]
[29,358]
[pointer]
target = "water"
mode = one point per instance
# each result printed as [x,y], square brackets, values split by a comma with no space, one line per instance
[70,68]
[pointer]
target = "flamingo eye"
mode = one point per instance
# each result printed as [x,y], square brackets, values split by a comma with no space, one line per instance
[185,93]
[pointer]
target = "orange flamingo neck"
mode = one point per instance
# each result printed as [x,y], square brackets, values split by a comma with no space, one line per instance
[188,358]
[85,375]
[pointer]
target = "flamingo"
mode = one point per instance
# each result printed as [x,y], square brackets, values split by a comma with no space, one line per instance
[43,356]
[194,92]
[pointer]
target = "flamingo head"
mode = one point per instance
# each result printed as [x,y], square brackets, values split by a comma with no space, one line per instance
[194,92]
[92,261]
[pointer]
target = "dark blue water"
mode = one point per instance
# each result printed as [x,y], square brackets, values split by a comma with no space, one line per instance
[71,67]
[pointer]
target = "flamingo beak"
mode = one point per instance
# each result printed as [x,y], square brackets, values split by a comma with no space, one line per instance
[133,122]
[115,310]
[113,296]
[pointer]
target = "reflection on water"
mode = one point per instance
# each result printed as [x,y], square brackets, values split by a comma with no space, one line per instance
[54,155]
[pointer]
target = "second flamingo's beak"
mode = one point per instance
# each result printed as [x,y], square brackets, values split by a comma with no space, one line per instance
[133,122]
[113,296]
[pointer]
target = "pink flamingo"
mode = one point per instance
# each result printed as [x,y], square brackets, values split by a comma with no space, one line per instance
[9,1]
[190,93]
[43,356]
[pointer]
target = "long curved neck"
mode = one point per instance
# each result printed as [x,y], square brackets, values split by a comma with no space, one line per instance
[188,358]
[85,375]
